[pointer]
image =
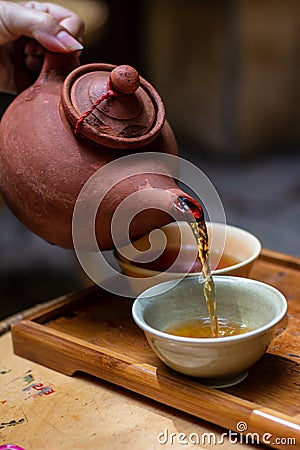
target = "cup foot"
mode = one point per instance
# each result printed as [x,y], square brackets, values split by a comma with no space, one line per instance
[219,383]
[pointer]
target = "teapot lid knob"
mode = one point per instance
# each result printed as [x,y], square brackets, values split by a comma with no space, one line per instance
[124,79]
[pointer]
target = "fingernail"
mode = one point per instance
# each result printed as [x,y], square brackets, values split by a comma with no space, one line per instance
[68,42]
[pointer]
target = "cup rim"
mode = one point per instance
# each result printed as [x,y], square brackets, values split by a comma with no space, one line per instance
[139,320]
[148,273]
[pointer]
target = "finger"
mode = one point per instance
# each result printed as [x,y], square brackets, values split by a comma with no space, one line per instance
[66,18]
[17,20]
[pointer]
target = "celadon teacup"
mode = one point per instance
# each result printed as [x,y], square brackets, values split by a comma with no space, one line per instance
[222,361]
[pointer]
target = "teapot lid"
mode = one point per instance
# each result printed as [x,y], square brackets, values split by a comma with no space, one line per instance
[112,105]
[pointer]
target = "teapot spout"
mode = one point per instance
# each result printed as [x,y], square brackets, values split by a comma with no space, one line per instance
[187,206]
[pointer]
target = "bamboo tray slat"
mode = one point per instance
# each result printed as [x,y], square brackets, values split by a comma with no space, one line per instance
[93,332]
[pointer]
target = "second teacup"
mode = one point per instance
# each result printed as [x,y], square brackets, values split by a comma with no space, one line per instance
[233,251]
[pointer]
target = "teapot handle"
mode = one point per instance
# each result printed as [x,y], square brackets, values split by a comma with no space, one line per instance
[56,66]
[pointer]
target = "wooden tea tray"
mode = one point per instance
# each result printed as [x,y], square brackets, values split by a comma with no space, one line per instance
[93,332]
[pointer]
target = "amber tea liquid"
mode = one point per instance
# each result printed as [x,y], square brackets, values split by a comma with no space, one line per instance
[201,328]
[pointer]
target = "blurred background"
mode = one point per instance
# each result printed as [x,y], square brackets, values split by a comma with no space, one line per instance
[228,73]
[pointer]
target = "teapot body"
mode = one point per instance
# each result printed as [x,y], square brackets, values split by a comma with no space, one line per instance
[44,165]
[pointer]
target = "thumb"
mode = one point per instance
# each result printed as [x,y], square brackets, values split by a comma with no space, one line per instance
[17,20]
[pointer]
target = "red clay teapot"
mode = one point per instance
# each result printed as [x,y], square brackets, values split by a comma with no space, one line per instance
[72,121]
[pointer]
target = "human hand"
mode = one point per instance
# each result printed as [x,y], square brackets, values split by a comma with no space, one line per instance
[49,26]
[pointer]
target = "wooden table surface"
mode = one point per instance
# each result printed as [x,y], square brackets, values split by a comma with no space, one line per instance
[41,409]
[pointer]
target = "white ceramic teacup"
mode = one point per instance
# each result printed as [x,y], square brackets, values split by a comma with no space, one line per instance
[233,251]
[220,361]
